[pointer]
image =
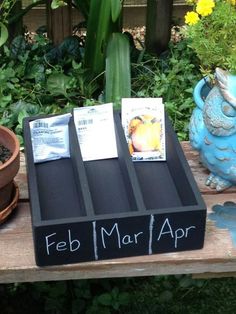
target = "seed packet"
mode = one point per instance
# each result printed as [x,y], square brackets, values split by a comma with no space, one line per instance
[96,132]
[50,138]
[143,121]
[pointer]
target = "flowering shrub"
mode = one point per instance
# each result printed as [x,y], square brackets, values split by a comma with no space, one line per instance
[211,30]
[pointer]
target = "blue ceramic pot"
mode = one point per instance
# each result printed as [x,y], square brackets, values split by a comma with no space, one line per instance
[212,129]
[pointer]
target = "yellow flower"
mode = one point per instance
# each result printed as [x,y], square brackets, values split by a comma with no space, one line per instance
[191,18]
[204,7]
[233,2]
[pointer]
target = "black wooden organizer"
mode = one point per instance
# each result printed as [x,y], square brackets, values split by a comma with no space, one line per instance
[112,208]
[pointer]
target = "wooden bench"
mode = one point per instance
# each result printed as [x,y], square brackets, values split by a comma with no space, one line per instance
[217,258]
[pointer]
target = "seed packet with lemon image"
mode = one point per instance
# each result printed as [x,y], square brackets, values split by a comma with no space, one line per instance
[143,120]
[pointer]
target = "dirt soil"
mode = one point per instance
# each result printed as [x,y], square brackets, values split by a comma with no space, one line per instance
[5,154]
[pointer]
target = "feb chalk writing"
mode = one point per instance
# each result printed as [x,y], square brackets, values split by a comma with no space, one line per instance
[68,244]
[116,236]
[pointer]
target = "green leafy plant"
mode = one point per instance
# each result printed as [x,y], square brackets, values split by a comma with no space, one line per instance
[7,18]
[212,33]
[172,77]
[118,80]
[5,9]
[38,78]
[104,38]
[162,294]
[58,3]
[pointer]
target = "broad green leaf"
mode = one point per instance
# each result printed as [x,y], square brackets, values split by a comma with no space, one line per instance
[18,47]
[57,84]
[34,71]
[22,114]
[105,299]
[124,298]
[70,47]
[5,100]
[116,7]
[3,34]
[58,3]
[23,106]
[166,296]
[118,76]
[98,31]
[186,282]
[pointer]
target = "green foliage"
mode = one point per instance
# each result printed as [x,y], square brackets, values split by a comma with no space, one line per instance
[171,77]
[38,78]
[3,34]
[100,28]
[102,39]
[213,38]
[67,297]
[8,16]
[164,294]
[58,84]
[57,4]
[109,302]
[5,9]
[118,80]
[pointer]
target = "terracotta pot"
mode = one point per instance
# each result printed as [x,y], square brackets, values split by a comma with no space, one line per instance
[9,169]
[13,203]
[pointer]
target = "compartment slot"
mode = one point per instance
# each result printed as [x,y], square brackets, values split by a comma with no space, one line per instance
[157,185]
[179,169]
[108,190]
[113,182]
[164,184]
[57,190]
[79,171]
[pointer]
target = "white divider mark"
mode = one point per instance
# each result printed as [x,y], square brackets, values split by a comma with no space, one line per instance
[95,248]
[150,234]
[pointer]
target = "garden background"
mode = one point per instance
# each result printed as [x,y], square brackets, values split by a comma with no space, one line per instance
[31,71]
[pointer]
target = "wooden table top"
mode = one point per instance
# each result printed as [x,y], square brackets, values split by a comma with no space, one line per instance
[217,258]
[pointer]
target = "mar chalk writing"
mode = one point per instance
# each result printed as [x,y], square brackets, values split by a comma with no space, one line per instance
[125,239]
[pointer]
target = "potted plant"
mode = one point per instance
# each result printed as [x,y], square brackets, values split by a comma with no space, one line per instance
[210,29]
[9,166]
[212,35]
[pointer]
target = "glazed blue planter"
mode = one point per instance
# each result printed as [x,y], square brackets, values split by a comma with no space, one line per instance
[212,129]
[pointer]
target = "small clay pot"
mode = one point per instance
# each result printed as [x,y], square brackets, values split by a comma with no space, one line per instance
[8,169]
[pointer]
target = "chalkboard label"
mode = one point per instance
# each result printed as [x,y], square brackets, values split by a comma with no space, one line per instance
[116,238]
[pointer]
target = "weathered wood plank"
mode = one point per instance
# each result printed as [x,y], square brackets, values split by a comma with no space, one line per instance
[200,173]
[17,255]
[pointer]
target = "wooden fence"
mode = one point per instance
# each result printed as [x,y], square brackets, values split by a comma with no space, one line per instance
[134,14]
